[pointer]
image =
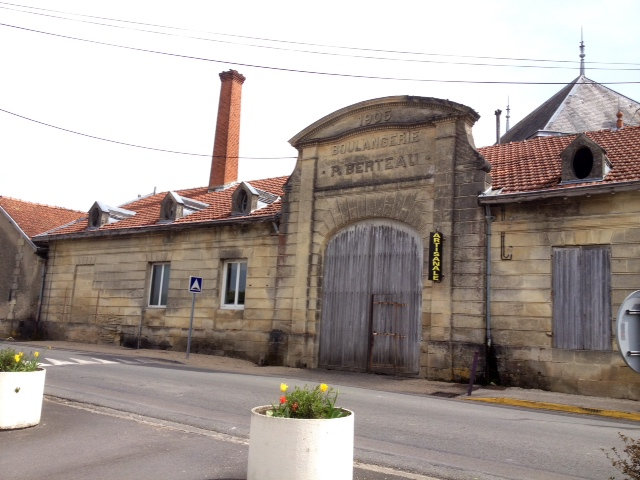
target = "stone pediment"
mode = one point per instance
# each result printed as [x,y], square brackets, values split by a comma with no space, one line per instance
[382,113]
[382,141]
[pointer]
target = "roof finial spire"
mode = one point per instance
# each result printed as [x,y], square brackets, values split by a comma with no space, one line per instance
[508,114]
[581,54]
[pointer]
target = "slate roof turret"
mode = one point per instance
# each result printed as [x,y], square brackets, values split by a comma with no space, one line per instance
[582,106]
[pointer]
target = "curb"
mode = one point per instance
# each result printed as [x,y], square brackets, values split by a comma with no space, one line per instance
[559,407]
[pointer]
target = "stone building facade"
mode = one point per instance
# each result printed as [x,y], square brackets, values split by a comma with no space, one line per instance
[564,256]
[385,175]
[98,289]
[376,169]
[395,247]
[22,264]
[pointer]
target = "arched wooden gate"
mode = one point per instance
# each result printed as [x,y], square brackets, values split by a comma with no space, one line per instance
[372,297]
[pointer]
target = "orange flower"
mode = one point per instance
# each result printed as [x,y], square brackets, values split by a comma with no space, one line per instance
[283,399]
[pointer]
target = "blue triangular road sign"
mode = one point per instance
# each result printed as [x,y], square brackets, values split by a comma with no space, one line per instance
[195,284]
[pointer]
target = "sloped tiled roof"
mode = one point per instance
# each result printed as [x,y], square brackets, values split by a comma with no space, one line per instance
[34,218]
[536,165]
[582,106]
[147,209]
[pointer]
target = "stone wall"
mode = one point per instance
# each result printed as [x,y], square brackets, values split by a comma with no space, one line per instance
[401,159]
[20,280]
[522,297]
[97,290]
[457,303]
[424,173]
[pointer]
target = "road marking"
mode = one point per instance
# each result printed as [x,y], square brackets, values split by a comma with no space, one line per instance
[52,362]
[391,471]
[558,407]
[128,362]
[155,422]
[83,362]
[55,362]
[103,361]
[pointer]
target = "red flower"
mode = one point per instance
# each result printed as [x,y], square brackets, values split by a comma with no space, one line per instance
[294,407]
[283,399]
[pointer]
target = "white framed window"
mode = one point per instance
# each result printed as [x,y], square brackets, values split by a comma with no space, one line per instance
[234,283]
[160,273]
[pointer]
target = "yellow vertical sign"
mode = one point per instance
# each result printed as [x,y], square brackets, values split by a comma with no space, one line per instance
[435,256]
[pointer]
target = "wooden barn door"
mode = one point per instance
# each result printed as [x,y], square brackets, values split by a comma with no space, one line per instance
[371,302]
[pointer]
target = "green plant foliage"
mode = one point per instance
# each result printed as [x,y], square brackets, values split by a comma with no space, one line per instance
[316,403]
[630,464]
[12,361]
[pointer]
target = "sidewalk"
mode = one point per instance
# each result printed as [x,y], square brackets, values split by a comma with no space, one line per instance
[510,396]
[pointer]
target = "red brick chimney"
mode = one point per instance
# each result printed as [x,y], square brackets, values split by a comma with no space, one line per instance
[226,147]
[619,123]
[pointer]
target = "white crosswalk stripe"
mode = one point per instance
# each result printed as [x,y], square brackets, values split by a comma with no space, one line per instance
[83,362]
[100,360]
[128,362]
[55,362]
[52,362]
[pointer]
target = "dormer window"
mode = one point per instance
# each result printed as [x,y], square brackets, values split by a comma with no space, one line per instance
[244,199]
[95,218]
[174,206]
[101,214]
[584,161]
[171,208]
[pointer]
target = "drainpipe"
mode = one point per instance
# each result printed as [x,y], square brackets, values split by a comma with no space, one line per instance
[489,220]
[41,294]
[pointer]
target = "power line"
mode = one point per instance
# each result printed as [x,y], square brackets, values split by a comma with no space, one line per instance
[291,70]
[311,44]
[133,145]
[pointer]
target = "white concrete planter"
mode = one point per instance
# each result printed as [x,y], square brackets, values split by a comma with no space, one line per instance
[21,396]
[297,449]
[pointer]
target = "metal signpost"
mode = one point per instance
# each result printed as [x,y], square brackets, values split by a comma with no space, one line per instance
[195,286]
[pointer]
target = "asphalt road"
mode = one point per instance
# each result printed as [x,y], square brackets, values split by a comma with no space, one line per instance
[79,442]
[146,418]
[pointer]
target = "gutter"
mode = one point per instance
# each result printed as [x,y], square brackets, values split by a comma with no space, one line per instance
[489,220]
[43,239]
[40,295]
[558,192]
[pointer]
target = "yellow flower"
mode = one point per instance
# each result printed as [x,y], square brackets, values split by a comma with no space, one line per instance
[283,387]
[21,354]
[36,355]
[324,387]
[17,358]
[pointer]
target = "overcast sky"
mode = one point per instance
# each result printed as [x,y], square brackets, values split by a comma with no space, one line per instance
[145,73]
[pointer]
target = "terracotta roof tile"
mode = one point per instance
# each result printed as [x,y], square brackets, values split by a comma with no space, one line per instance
[148,208]
[536,164]
[34,218]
